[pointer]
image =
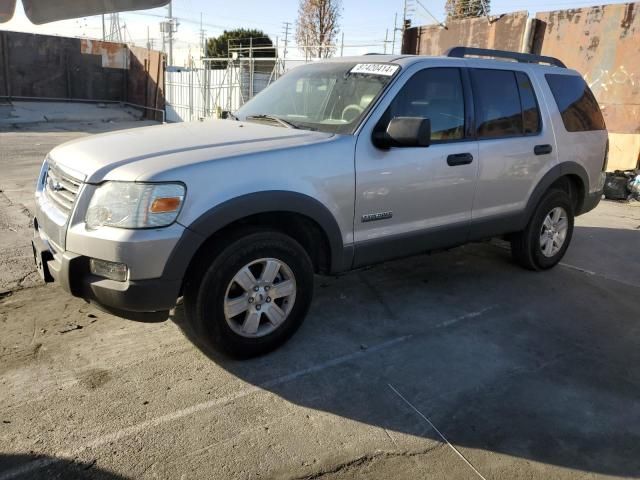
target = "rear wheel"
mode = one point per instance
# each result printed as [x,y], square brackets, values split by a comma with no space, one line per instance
[252,296]
[543,243]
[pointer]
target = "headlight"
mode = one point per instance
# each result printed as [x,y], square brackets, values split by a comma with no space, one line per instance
[135,205]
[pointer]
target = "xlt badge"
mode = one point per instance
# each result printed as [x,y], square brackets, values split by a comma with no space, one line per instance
[372,217]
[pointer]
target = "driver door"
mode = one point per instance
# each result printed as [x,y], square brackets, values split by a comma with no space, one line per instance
[413,199]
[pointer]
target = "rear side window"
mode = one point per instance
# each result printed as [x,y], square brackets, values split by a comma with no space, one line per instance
[576,103]
[506,104]
[530,110]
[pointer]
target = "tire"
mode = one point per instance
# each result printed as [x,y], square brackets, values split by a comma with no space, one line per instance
[529,248]
[219,282]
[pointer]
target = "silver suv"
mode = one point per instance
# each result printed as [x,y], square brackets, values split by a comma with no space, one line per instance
[337,165]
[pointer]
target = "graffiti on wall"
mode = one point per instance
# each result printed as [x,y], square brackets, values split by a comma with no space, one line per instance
[605,80]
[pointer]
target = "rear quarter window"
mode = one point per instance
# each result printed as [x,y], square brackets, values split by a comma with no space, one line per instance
[578,107]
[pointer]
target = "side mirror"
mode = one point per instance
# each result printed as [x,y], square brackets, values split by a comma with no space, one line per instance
[404,132]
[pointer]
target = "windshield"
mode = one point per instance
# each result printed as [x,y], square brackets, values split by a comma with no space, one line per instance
[328,97]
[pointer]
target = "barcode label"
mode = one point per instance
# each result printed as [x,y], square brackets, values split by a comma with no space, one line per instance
[375,69]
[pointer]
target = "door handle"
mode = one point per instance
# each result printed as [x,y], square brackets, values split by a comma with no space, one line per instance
[542,149]
[459,159]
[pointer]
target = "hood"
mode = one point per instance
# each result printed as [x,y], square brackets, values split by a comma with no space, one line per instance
[140,153]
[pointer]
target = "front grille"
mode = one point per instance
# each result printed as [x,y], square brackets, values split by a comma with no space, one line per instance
[61,189]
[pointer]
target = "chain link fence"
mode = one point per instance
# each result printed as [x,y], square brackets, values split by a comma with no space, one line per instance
[219,85]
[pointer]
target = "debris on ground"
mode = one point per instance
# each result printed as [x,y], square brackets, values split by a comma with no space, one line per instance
[70,328]
[634,186]
[622,185]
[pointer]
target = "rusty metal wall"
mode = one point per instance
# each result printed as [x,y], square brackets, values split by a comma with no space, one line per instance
[146,79]
[43,66]
[602,43]
[48,66]
[503,33]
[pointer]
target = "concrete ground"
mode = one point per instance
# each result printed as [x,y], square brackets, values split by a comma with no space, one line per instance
[456,365]
[23,147]
[27,113]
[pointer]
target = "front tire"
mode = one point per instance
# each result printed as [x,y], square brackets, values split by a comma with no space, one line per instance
[252,296]
[544,241]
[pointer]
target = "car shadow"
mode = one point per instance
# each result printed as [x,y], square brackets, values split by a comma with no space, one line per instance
[52,468]
[537,366]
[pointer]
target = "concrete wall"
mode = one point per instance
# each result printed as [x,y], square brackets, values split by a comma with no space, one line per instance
[146,79]
[45,66]
[504,33]
[602,43]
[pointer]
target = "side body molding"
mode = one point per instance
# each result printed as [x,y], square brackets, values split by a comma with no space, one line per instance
[238,208]
[517,221]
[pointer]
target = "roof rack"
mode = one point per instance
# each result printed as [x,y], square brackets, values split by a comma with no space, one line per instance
[461,52]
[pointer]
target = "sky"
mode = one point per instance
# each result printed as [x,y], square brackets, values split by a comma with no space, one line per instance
[365,23]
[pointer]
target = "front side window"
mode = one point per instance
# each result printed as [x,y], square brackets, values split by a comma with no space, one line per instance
[329,97]
[579,109]
[436,94]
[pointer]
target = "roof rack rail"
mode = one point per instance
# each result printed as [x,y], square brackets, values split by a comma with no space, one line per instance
[461,52]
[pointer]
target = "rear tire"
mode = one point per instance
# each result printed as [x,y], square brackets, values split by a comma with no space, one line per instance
[544,241]
[252,296]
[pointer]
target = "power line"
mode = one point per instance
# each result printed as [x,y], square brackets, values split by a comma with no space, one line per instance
[432,15]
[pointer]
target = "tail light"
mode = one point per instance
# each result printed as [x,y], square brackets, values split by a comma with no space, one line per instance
[606,158]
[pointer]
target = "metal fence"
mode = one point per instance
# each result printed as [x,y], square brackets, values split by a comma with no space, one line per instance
[219,85]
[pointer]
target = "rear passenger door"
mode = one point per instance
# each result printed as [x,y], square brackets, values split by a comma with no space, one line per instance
[516,146]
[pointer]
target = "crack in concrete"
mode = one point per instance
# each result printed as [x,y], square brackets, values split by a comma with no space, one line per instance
[365,460]
[10,203]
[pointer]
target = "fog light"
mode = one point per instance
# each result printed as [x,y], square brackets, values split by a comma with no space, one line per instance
[111,270]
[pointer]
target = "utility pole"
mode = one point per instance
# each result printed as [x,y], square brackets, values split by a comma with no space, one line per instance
[395,29]
[115,30]
[386,40]
[203,38]
[148,39]
[171,33]
[104,29]
[409,9]
[342,45]
[287,25]
[404,18]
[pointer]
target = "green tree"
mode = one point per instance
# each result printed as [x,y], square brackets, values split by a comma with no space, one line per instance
[458,9]
[240,41]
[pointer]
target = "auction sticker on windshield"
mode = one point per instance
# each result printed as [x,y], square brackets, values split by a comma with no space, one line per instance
[375,69]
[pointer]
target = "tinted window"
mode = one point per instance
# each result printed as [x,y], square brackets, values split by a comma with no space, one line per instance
[436,94]
[498,110]
[578,107]
[530,110]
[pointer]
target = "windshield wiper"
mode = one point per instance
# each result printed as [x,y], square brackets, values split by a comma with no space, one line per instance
[272,118]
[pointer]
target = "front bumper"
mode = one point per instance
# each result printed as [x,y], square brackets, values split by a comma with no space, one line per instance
[136,299]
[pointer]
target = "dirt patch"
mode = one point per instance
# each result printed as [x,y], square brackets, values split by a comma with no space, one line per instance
[94,378]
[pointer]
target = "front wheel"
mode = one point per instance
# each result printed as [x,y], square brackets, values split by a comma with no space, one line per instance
[544,241]
[252,296]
